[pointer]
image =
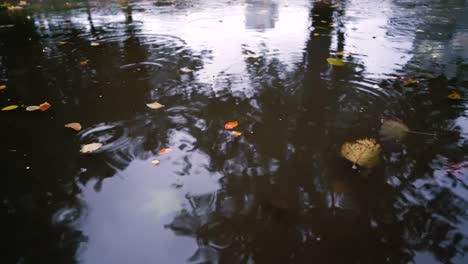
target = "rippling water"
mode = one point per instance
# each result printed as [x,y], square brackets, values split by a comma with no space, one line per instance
[279,193]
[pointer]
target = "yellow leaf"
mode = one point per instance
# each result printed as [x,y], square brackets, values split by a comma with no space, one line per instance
[2,87]
[32,108]
[155,105]
[316,34]
[10,107]
[164,150]
[186,70]
[454,96]
[364,152]
[340,53]
[155,162]
[236,133]
[335,62]
[75,126]
[90,147]
[230,125]
[60,43]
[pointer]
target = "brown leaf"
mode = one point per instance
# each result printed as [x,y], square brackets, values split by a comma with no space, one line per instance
[230,125]
[75,126]
[409,82]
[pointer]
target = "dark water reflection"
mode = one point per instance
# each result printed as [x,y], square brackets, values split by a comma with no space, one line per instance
[280,193]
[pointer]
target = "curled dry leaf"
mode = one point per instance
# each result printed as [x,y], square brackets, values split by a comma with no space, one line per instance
[155,162]
[393,129]
[236,133]
[90,147]
[32,108]
[155,105]
[75,126]
[164,150]
[9,108]
[2,87]
[44,106]
[230,125]
[335,62]
[454,96]
[186,70]
[364,152]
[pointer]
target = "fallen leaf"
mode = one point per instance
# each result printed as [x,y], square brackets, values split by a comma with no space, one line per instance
[393,129]
[236,133]
[155,105]
[335,62]
[2,87]
[15,8]
[94,44]
[10,107]
[44,106]
[155,162]
[60,43]
[75,126]
[230,125]
[410,82]
[454,96]
[164,150]
[90,147]
[22,3]
[84,63]
[250,56]
[316,34]
[32,108]
[185,70]
[68,4]
[419,30]
[340,53]
[364,152]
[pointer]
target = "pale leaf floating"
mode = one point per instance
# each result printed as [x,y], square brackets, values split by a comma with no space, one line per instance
[90,147]
[155,162]
[74,125]
[395,129]
[9,108]
[155,105]
[230,125]
[186,70]
[32,108]
[335,62]
[364,152]
[94,44]
[236,133]
[164,150]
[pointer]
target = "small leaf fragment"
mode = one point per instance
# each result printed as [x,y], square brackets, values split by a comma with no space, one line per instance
[94,44]
[61,43]
[186,70]
[164,150]
[155,105]
[364,152]
[316,34]
[230,125]
[236,133]
[32,108]
[155,162]
[335,62]
[84,63]
[454,96]
[9,108]
[74,125]
[68,4]
[2,87]
[393,129]
[90,147]
[44,106]
[410,82]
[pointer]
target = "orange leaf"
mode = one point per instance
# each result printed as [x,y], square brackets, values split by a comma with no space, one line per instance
[44,106]
[164,150]
[236,133]
[230,125]
[2,87]
[84,63]
[68,4]
[75,126]
[454,96]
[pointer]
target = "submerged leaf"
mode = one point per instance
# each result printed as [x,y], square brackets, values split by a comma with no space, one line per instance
[75,126]
[155,105]
[454,96]
[230,125]
[2,87]
[393,129]
[90,147]
[10,107]
[44,106]
[364,152]
[155,162]
[186,70]
[236,133]
[164,150]
[335,62]
[32,108]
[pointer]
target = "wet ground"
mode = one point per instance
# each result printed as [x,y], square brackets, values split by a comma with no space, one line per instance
[279,190]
